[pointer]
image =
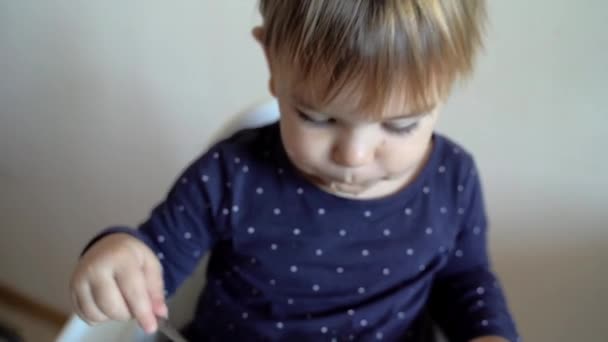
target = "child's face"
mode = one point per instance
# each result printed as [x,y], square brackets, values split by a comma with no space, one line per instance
[346,154]
[342,151]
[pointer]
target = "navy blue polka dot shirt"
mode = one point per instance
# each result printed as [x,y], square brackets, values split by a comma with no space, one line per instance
[291,262]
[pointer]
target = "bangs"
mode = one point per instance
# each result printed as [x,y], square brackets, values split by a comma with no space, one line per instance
[367,90]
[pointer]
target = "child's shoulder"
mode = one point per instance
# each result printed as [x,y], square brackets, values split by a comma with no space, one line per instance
[451,155]
[243,151]
[250,142]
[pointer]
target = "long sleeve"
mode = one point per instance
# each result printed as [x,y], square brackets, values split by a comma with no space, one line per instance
[466,300]
[183,227]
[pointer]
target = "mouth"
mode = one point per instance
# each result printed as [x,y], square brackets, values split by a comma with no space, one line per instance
[350,188]
[347,188]
[345,184]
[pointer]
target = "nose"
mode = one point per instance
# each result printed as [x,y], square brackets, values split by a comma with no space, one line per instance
[353,151]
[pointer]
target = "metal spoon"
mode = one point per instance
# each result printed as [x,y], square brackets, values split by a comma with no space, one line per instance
[167,329]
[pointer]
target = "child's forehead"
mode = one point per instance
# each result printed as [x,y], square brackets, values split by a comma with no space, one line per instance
[350,104]
[359,94]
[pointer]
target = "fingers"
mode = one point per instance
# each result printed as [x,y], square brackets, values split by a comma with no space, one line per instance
[156,289]
[85,305]
[109,299]
[135,294]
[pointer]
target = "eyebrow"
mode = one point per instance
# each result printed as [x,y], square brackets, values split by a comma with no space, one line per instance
[413,115]
[417,114]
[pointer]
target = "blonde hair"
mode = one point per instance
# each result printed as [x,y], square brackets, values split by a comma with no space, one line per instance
[374,47]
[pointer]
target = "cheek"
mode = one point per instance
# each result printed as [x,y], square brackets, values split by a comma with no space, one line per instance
[304,146]
[402,155]
[397,157]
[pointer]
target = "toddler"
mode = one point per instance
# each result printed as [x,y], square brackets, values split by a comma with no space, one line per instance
[349,219]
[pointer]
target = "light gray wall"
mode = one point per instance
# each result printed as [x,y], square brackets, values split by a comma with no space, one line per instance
[102,103]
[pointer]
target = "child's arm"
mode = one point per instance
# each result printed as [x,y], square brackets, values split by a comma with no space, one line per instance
[107,282]
[190,221]
[467,300]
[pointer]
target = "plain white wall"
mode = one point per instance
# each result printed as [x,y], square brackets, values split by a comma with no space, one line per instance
[103,103]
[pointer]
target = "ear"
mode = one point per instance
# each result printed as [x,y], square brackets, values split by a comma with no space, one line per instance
[258,34]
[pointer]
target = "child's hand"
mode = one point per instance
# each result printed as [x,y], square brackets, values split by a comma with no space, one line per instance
[119,278]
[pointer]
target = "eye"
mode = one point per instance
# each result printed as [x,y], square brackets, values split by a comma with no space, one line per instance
[318,121]
[400,129]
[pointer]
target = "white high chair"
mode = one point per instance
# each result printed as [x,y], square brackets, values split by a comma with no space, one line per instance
[181,306]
